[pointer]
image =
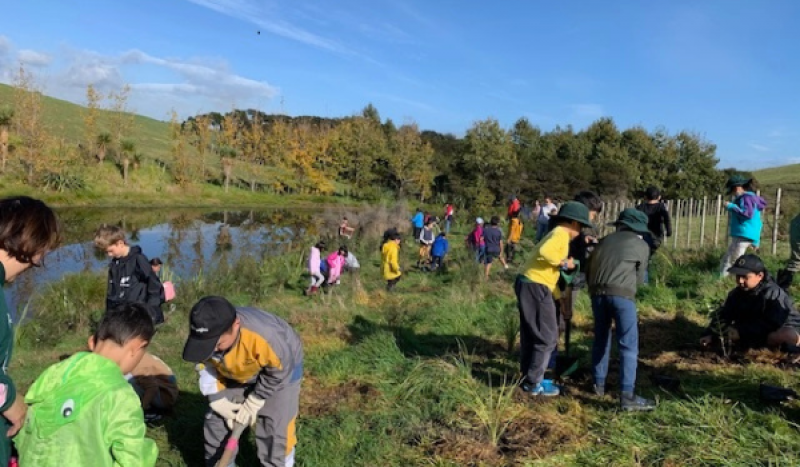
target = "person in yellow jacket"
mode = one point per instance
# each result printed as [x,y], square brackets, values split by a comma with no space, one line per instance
[514,235]
[537,291]
[390,261]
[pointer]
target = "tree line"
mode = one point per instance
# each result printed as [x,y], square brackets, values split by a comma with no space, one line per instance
[362,155]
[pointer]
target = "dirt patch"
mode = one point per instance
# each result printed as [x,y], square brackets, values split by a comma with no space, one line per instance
[318,401]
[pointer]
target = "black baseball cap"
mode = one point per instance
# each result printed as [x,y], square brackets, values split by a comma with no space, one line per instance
[747,263]
[210,318]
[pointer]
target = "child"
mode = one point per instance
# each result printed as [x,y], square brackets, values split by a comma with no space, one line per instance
[82,411]
[250,364]
[475,240]
[537,291]
[745,226]
[493,238]
[426,238]
[439,250]
[449,211]
[130,275]
[335,264]
[543,218]
[167,287]
[617,265]
[345,230]
[418,221]
[514,235]
[351,263]
[314,261]
[155,384]
[390,261]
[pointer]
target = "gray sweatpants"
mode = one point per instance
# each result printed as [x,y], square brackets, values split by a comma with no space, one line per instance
[274,427]
[538,328]
[737,248]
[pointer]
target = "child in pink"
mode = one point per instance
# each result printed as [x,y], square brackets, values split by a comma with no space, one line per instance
[314,260]
[335,265]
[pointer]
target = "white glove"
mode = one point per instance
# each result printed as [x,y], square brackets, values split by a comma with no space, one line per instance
[249,410]
[225,408]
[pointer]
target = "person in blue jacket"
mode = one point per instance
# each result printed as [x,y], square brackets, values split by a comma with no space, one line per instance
[418,221]
[440,248]
[745,220]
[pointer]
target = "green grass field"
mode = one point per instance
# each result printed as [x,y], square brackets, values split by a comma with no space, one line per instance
[426,376]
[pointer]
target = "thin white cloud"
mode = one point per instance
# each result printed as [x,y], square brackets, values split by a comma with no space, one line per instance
[263,14]
[34,58]
[759,147]
[587,110]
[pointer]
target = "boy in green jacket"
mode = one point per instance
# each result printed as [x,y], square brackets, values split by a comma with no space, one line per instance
[83,411]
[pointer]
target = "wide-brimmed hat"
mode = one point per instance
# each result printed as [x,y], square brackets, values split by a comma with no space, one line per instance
[736,180]
[633,219]
[574,211]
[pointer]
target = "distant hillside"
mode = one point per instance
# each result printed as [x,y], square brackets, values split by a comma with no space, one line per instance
[783,176]
[65,119]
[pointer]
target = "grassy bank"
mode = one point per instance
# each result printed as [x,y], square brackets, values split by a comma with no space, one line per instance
[426,375]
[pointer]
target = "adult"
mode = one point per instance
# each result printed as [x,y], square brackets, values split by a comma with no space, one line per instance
[514,207]
[786,276]
[250,364]
[543,219]
[616,267]
[757,312]
[658,220]
[417,222]
[449,211]
[745,219]
[345,230]
[29,229]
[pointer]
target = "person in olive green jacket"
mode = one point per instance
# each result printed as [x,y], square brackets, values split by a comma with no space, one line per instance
[616,267]
[83,411]
[28,230]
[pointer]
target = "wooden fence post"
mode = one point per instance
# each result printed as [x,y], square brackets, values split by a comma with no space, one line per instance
[677,223]
[703,222]
[775,220]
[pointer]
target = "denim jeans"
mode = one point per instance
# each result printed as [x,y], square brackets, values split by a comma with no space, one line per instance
[623,312]
[541,230]
[480,252]
[447,222]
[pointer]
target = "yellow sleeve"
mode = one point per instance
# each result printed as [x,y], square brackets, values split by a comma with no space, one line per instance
[555,249]
[394,263]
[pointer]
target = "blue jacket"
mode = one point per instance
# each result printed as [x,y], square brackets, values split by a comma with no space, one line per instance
[440,246]
[418,220]
[745,213]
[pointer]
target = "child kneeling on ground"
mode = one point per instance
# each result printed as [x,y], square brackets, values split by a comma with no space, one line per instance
[82,411]
[537,291]
[155,383]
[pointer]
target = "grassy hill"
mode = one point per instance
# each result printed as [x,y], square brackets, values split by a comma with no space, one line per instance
[786,176]
[65,119]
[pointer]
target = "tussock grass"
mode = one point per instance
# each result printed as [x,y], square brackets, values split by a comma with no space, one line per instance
[426,376]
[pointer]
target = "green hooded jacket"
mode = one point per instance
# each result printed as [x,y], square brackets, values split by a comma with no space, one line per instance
[6,344]
[83,412]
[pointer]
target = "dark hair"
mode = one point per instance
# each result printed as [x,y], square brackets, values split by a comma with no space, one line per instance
[28,228]
[124,323]
[320,245]
[495,220]
[652,193]
[343,248]
[156,262]
[590,200]
[442,234]
[752,185]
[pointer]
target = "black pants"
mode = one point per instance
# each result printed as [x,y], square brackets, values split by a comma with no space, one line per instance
[511,248]
[436,262]
[538,328]
[391,283]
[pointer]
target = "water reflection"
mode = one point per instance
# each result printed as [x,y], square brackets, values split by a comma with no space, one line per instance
[186,240]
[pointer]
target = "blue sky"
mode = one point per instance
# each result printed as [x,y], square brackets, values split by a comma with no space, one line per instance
[727,69]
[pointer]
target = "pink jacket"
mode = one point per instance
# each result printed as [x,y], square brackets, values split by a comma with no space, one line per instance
[313,261]
[335,264]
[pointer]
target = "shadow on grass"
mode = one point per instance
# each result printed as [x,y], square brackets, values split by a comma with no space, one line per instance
[184,430]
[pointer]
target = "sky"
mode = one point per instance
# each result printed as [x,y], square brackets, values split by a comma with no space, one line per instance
[726,69]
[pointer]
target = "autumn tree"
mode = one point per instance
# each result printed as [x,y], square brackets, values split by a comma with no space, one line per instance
[127,148]
[28,124]
[181,169]
[103,142]
[90,119]
[121,121]
[6,118]
[410,162]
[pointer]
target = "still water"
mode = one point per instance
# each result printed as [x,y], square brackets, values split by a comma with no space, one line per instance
[186,240]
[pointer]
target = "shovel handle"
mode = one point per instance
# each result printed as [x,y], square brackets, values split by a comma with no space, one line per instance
[230,448]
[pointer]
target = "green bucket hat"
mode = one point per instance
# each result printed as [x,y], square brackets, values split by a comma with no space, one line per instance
[736,180]
[574,211]
[633,219]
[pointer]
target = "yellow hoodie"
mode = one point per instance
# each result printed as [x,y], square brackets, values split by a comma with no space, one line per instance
[390,262]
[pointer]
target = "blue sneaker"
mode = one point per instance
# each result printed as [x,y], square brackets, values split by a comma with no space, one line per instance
[545,388]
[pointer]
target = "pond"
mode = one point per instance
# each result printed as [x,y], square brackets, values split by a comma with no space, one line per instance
[186,240]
